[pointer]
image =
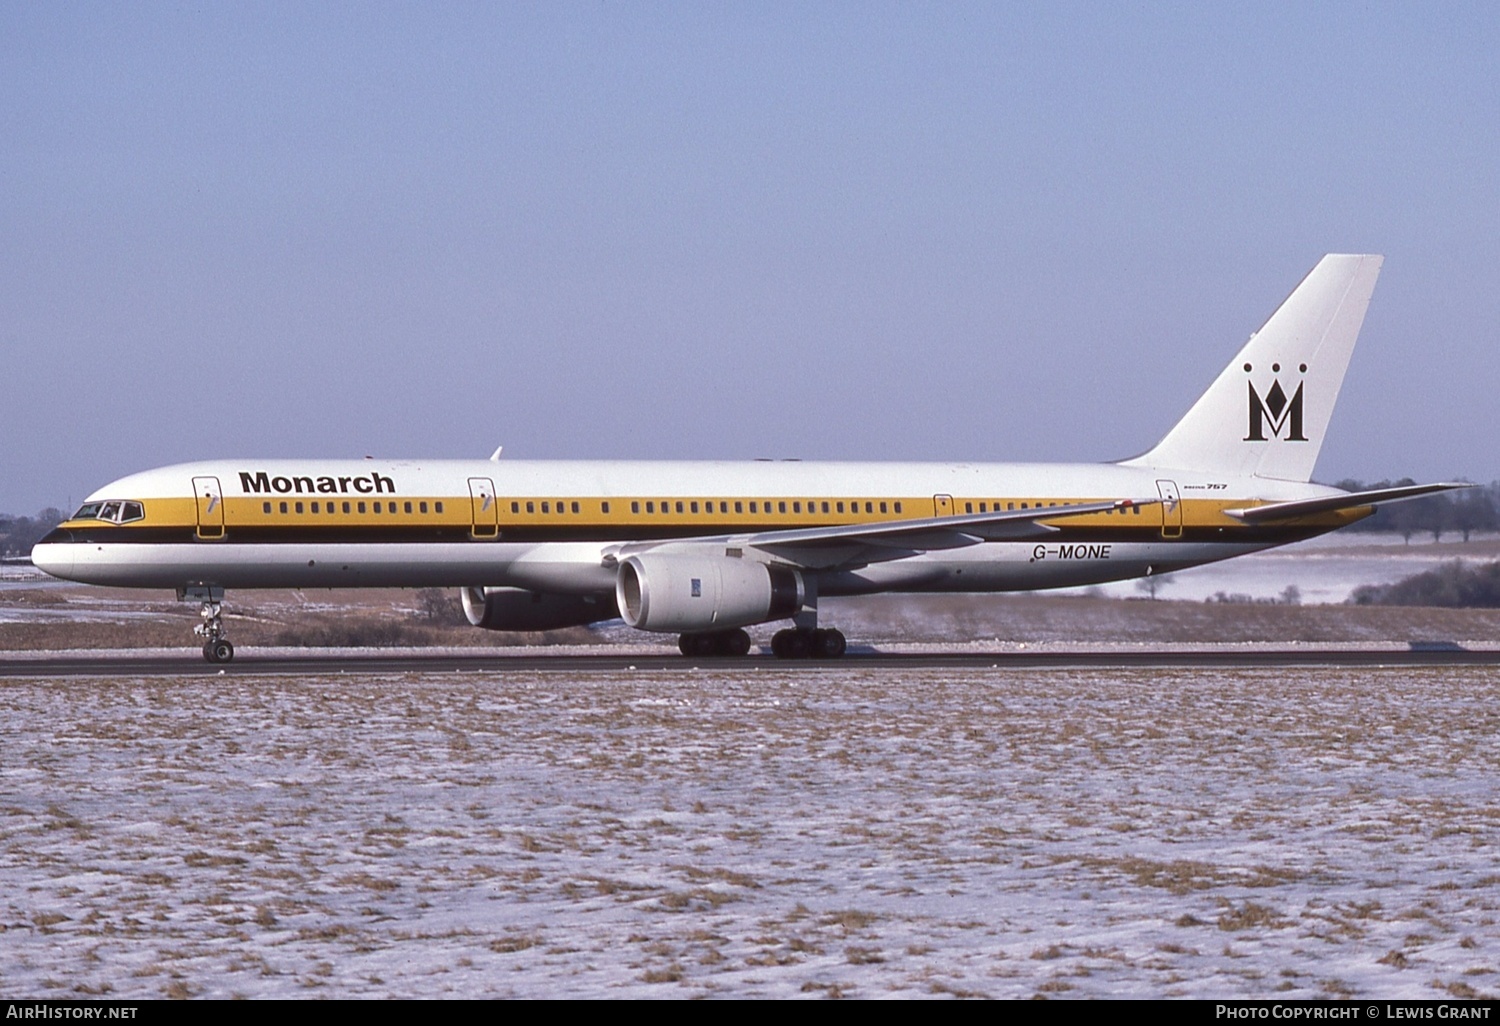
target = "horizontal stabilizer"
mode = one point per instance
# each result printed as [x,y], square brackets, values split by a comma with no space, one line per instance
[1332,503]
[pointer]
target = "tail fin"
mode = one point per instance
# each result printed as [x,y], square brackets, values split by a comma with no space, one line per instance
[1267,413]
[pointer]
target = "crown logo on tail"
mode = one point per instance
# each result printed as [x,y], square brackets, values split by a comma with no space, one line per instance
[1275,410]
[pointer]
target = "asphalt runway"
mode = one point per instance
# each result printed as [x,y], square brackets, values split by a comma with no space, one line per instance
[247,663]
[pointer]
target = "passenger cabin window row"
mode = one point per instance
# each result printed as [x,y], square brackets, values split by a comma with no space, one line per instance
[758,507]
[998,506]
[331,507]
[124,512]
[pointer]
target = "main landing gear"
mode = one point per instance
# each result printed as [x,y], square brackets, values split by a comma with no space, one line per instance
[808,643]
[715,643]
[216,647]
[792,643]
[806,640]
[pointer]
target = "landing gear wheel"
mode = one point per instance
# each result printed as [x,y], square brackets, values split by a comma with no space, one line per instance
[220,651]
[734,643]
[791,644]
[697,645]
[715,643]
[828,643]
[801,643]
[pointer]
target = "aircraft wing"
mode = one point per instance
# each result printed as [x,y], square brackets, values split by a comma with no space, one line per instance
[825,547]
[1332,503]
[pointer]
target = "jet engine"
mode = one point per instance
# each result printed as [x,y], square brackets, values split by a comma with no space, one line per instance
[516,609]
[671,593]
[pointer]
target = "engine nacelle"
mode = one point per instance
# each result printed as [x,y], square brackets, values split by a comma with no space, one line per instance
[516,609]
[688,593]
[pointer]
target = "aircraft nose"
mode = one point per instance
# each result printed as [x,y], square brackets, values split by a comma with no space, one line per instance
[54,554]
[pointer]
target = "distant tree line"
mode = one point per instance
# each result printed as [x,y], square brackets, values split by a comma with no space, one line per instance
[19,534]
[1454,585]
[1461,512]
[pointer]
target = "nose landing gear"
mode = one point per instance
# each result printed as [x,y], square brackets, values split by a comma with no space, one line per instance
[216,647]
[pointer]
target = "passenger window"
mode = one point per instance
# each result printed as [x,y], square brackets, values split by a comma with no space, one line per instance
[575,508]
[825,507]
[315,508]
[530,507]
[346,507]
[438,506]
[299,507]
[546,507]
[882,507]
[694,507]
[283,507]
[679,505]
[515,507]
[898,507]
[752,506]
[650,507]
[840,506]
[377,507]
[869,507]
[406,507]
[968,507]
[796,507]
[266,506]
[739,507]
[361,507]
[604,507]
[781,506]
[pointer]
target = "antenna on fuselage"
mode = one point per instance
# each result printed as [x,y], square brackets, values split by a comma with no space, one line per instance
[495,456]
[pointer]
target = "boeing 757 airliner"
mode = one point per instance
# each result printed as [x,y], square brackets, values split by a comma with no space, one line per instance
[704,550]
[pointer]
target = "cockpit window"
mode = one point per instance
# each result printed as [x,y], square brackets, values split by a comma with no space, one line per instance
[118,512]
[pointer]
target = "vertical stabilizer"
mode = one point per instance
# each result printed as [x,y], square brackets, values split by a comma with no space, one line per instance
[1267,413]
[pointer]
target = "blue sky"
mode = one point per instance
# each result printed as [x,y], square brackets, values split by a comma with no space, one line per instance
[912,231]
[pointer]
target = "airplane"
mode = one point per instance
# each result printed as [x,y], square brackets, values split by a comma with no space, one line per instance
[705,549]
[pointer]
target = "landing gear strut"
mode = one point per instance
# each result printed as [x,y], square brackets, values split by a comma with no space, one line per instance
[216,647]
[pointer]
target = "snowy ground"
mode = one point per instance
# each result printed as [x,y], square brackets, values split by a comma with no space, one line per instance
[1198,833]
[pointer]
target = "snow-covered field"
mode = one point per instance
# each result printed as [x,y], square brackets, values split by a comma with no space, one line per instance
[753,832]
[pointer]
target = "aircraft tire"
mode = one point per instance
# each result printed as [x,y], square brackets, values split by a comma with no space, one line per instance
[791,644]
[220,651]
[733,643]
[828,644]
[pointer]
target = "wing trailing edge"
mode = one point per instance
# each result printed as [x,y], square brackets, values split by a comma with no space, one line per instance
[1334,503]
